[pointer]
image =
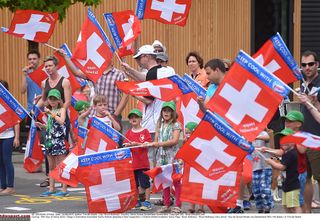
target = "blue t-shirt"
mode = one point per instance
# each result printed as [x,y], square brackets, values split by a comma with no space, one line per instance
[211,90]
[32,90]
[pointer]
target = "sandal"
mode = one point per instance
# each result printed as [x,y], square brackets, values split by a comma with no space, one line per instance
[200,211]
[176,210]
[191,211]
[45,183]
[158,202]
[315,204]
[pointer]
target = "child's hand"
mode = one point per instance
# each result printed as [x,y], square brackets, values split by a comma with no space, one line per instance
[16,142]
[47,110]
[39,125]
[154,144]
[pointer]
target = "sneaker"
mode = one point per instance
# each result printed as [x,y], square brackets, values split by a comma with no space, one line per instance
[138,205]
[47,193]
[246,205]
[237,209]
[164,209]
[176,209]
[146,206]
[62,194]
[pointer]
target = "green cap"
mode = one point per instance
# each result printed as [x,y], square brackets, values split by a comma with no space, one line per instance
[294,115]
[81,105]
[191,126]
[170,104]
[136,112]
[285,132]
[54,93]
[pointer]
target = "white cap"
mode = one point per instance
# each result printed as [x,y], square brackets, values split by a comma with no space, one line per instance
[157,43]
[145,49]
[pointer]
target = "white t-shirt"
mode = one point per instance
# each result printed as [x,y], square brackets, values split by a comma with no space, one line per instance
[8,133]
[151,112]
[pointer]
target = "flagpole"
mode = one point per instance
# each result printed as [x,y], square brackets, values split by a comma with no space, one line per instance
[308,102]
[118,57]
[50,46]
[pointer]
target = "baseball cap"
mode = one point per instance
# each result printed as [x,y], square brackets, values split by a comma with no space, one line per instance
[162,56]
[81,105]
[136,112]
[191,126]
[170,104]
[145,49]
[285,132]
[54,93]
[294,115]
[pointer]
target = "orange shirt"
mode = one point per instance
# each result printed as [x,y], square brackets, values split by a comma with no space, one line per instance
[201,78]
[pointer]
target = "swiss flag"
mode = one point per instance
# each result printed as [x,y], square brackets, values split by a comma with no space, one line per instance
[187,106]
[40,74]
[214,148]
[39,115]
[32,25]
[101,137]
[173,12]
[164,89]
[33,156]
[125,28]
[109,181]
[248,96]
[11,112]
[164,176]
[277,59]
[93,51]
[216,193]
[302,138]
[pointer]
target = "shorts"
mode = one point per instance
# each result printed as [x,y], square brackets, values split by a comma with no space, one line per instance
[302,180]
[142,179]
[291,199]
[313,164]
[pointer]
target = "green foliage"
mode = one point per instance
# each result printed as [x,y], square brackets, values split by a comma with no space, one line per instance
[59,6]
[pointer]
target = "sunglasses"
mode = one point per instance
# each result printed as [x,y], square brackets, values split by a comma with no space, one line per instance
[310,64]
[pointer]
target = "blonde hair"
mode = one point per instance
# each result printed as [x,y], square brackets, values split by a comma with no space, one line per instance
[173,120]
[227,61]
[47,105]
[100,99]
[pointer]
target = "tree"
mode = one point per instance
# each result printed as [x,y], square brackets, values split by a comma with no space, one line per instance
[59,6]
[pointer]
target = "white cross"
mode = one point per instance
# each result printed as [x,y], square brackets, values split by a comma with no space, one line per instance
[102,147]
[164,178]
[211,187]
[64,71]
[2,110]
[154,89]
[93,44]
[34,25]
[310,140]
[167,8]
[127,28]
[71,162]
[189,112]
[273,66]
[110,189]
[212,150]
[243,102]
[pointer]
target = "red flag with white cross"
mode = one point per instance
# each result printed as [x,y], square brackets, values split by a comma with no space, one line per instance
[11,111]
[173,12]
[165,89]
[164,176]
[277,59]
[109,181]
[304,139]
[32,25]
[214,148]
[217,194]
[101,137]
[248,96]
[125,28]
[93,52]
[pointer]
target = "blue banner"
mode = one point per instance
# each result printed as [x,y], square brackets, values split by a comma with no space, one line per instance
[263,74]
[141,5]
[227,132]
[82,132]
[73,101]
[106,129]
[96,23]
[194,86]
[12,103]
[113,29]
[32,138]
[104,157]
[284,52]
[181,84]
